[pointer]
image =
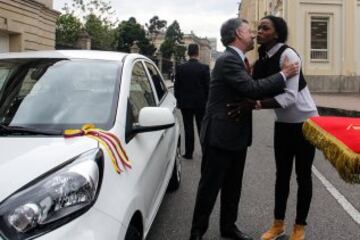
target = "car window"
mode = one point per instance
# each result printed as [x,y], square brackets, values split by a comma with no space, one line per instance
[59,93]
[157,81]
[4,73]
[141,94]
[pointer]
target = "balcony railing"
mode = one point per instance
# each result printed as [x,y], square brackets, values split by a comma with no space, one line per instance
[319,54]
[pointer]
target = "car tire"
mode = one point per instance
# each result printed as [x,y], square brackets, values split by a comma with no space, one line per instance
[177,171]
[132,233]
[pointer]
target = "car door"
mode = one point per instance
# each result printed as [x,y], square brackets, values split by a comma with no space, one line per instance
[144,147]
[167,100]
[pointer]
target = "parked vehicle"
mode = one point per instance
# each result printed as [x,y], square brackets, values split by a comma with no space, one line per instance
[72,187]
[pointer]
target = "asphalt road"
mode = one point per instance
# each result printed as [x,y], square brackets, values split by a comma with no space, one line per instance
[328,219]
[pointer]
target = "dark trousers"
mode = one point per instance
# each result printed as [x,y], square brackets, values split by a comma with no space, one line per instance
[220,169]
[289,143]
[188,115]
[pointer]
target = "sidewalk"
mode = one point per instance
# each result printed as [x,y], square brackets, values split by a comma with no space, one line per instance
[338,104]
[335,104]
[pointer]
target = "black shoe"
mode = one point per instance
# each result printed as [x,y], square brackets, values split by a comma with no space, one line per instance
[189,157]
[195,237]
[235,234]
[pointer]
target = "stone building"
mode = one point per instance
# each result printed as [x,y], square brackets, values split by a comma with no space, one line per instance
[214,52]
[324,32]
[204,45]
[27,25]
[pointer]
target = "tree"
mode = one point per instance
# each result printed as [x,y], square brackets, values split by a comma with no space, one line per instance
[102,35]
[100,8]
[172,45]
[68,28]
[167,48]
[99,21]
[179,53]
[173,41]
[174,34]
[130,31]
[155,27]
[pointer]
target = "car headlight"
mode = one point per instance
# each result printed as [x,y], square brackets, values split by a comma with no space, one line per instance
[54,198]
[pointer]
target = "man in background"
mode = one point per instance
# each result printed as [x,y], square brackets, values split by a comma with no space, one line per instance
[191,89]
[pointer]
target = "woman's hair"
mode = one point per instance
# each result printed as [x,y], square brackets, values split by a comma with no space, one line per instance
[280,27]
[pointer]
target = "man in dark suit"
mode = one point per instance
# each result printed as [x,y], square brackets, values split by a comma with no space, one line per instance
[225,140]
[191,89]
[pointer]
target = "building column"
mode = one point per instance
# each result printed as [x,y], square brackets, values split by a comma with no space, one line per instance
[84,41]
[290,8]
[160,60]
[349,46]
[4,42]
[357,29]
[134,47]
[16,43]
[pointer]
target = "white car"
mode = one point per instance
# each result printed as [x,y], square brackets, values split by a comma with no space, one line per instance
[57,187]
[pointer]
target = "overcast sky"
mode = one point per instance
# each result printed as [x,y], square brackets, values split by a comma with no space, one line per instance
[203,17]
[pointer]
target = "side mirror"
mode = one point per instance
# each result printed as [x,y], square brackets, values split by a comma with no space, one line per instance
[154,119]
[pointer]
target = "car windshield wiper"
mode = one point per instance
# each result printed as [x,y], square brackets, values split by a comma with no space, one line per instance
[18,130]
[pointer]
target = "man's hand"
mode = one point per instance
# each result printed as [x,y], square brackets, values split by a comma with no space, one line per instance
[290,69]
[258,105]
[236,110]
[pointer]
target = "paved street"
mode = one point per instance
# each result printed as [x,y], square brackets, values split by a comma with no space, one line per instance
[327,220]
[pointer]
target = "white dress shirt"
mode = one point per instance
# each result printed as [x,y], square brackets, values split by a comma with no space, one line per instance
[296,106]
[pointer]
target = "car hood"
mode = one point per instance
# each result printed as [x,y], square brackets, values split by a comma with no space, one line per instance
[23,159]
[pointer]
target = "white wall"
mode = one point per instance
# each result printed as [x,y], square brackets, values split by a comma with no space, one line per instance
[333,10]
[357,29]
[4,42]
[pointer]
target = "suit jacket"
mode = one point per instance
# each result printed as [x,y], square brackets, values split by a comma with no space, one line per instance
[231,83]
[191,85]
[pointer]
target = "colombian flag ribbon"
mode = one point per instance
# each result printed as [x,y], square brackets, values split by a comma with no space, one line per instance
[108,140]
[339,139]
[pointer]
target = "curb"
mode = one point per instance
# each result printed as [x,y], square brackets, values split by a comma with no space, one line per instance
[327,111]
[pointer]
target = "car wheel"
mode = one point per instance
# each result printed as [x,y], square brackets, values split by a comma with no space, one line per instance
[177,171]
[132,233]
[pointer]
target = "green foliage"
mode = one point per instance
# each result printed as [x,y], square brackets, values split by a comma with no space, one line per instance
[102,35]
[146,47]
[174,34]
[167,48]
[130,31]
[98,21]
[155,27]
[173,45]
[100,8]
[68,28]
[180,53]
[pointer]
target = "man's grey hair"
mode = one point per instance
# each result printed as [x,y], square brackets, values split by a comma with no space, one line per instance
[228,30]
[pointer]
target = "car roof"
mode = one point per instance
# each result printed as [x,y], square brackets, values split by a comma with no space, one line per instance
[82,54]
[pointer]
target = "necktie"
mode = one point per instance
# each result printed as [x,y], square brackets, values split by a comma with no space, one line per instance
[247,66]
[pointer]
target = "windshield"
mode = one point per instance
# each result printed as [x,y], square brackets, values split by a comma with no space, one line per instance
[58,93]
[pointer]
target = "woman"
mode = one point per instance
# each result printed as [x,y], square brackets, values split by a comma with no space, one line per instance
[292,108]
